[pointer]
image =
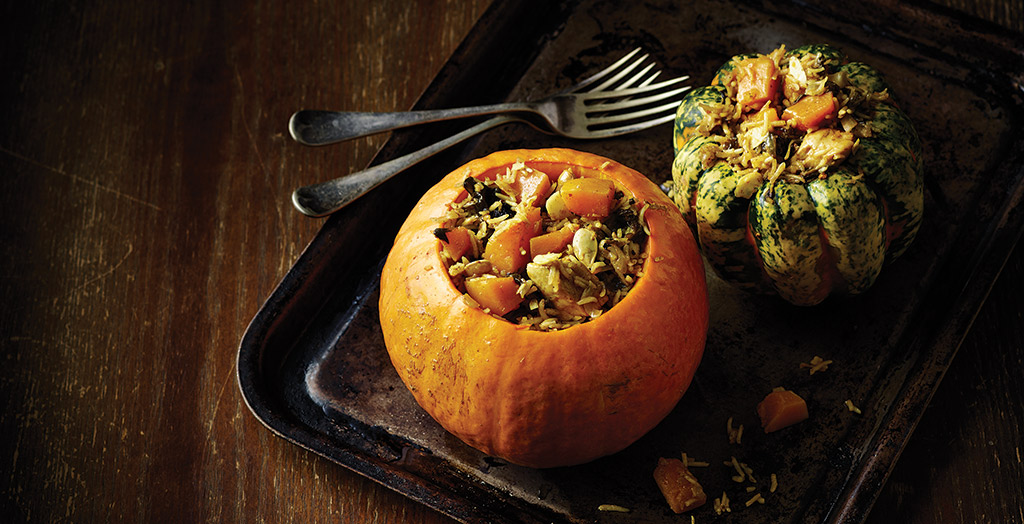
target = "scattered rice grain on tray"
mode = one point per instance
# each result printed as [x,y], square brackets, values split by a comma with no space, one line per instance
[816,364]
[689,462]
[721,504]
[774,484]
[756,498]
[851,407]
[613,508]
[740,475]
[749,472]
[735,434]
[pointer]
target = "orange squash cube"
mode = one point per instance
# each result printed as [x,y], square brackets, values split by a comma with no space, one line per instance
[678,485]
[757,81]
[553,242]
[498,294]
[781,408]
[457,242]
[589,197]
[508,249]
[533,187]
[811,111]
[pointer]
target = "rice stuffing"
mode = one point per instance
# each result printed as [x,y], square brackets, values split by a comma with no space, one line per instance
[763,143]
[564,267]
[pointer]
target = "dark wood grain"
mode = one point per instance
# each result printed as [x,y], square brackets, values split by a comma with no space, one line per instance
[146,214]
[145,218]
[964,461]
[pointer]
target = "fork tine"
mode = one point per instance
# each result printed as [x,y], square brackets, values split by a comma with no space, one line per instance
[639,79]
[626,84]
[639,126]
[629,103]
[631,91]
[620,75]
[629,84]
[597,121]
[603,101]
[646,81]
[605,86]
[602,74]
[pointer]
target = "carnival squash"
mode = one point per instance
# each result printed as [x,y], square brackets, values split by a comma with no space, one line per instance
[807,194]
[545,397]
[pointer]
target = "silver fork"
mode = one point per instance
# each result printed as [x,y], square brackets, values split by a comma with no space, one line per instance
[613,107]
[575,112]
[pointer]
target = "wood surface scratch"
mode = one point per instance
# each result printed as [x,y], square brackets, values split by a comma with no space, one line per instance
[75,178]
[96,278]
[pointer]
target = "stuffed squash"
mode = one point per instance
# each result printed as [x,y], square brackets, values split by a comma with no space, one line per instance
[535,296]
[798,173]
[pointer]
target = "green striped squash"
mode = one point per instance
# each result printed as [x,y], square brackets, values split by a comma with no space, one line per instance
[804,238]
[691,111]
[828,55]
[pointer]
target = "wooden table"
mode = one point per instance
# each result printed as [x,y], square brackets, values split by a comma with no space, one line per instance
[145,218]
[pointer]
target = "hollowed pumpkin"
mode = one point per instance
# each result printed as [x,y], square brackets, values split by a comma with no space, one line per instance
[546,398]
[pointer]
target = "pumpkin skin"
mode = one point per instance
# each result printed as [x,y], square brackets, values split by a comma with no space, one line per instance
[546,398]
[807,240]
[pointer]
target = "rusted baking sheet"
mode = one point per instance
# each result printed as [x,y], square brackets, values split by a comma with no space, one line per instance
[313,368]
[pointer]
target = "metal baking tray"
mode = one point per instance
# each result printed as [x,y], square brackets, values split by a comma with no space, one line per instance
[312,366]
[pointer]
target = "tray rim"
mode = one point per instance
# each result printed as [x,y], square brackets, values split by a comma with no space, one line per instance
[1001,236]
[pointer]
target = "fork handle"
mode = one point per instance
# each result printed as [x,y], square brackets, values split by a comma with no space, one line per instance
[317,128]
[322,199]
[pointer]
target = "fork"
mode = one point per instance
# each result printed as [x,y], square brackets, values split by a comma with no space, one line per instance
[571,113]
[613,106]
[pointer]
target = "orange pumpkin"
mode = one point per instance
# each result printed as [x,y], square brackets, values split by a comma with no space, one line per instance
[546,398]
